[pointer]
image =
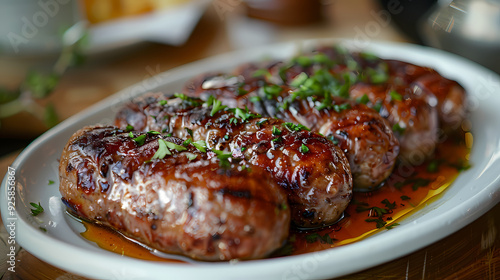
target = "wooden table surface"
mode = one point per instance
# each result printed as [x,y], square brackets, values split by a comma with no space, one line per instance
[471,253]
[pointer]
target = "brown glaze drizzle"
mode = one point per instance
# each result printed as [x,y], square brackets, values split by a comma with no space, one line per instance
[409,189]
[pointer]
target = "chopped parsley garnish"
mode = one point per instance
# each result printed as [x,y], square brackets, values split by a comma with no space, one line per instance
[391,226]
[174,146]
[233,121]
[162,150]
[416,183]
[255,99]
[368,56]
[276,131]
[189,131]
[313,237]
[295,127]
[223,158]
[405,197]
[377,106]
[303,149]
[363,99]
[162,102]
[303,61]
[278,139]
[187,142]
[140,139]
[129,128]
[261,122]
[380,223]
[51,182]
[397,128]
[272,91]
[244,115]
[153,132]
[216,107]
[338,108]
[191,156]
[37,209]
[322,58]
[189,100]
[299,80]
[378,76]
[395,95]
[261,73]
[379,212]
[433,166]
[461,165]
[201,145]
[240,91]
[388,204]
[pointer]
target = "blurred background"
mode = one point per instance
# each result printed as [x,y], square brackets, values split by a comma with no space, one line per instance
[58,57]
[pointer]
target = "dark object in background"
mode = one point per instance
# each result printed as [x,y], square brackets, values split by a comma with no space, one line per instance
[286,12]
[469,28]
[406,14]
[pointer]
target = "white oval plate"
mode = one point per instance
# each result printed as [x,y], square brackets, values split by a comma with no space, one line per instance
[473,193]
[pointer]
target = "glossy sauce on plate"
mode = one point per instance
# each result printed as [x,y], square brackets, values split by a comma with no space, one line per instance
[408,189]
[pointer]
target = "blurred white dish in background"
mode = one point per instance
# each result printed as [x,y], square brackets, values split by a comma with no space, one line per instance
[36,27]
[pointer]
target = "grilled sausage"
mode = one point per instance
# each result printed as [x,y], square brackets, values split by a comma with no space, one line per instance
[415,122]
[364,136]
[183,203]
[311,169]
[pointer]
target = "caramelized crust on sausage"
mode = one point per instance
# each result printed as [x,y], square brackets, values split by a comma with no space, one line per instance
[178,204]
[415,122]
[311,169]
[365,137]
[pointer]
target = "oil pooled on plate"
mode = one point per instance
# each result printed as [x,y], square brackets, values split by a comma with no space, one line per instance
[408,189]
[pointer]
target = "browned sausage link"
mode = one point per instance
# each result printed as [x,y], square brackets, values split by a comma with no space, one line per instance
[367,139]
[413,120]
[446,95]
[314,172]
[183,203]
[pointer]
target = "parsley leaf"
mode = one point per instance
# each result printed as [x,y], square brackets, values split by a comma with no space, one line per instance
[174,146]
[191,156]
[276,131]
[201,145]
[37,209]
[223,158]
[216,107]
[380,223]
[129,128]
[395,95]
[272,91]
[303,149]
[398,128]
[295,127]
[313,237]
[162,150]
[299,80]
[363,99]
[388,204]
[391,226]
[140,139]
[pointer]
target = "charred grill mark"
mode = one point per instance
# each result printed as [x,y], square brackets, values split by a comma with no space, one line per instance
[239,194]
